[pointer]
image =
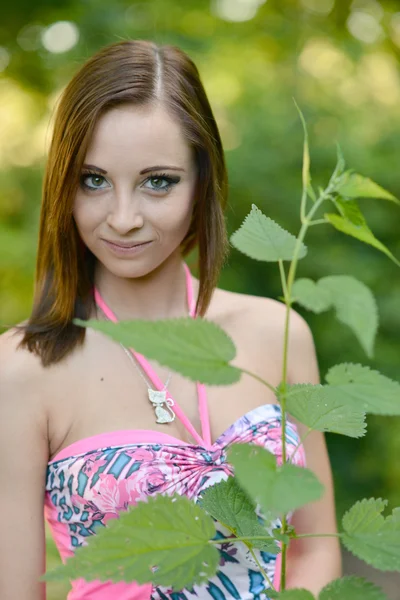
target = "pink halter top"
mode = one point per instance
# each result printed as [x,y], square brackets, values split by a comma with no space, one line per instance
[90,481]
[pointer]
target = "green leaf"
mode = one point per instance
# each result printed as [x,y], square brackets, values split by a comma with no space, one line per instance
[306,154]
[294,594]
[311,405]
[280,489]
[350,210]
[196,348]
[354,303]
[363,388]
[340,164]
[370,536]
[353,185]
[360,232]
[228,503]
[351,588]
[262,239]
[355,307]
[164,540]
[311,295]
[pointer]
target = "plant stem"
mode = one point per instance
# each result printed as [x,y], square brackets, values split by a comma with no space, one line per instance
[260,379]
[287,290]
[266,538]
[318,222]
[283,278]
[262,570]
[311,535]
[263,538]
[283,559]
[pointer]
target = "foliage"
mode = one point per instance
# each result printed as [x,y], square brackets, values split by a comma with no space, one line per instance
[364,388]
[372,537]
[199,349]
[280,489]
[164,540]
[229,504]
[346,588]
[353,301]
[311,405]
[262,239]
[354,588]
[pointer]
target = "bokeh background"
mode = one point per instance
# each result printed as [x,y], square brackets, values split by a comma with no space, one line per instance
[338,58]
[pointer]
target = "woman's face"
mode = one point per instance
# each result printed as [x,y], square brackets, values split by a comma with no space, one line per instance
[137,187]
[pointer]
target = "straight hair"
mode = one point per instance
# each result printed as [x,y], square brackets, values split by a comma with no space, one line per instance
[134,72]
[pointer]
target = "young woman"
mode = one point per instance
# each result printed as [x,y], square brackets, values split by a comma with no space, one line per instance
[135,179]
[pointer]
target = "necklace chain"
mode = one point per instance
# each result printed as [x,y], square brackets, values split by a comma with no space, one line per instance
[161,403]
[128,352]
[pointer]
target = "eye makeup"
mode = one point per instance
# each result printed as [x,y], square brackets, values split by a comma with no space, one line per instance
[170,180]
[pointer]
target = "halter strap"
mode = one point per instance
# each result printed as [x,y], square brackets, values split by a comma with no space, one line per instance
[205,439]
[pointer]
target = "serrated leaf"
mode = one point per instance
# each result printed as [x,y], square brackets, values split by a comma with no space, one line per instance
[353,185]
[310,295]
[311,405]
[367,390]
[280,489]
[360,232]
[164,540]
[351,588]
[228,503]
[355,307]
[196,348]
[262,239]
[370,536]
[294,594]
[353,301]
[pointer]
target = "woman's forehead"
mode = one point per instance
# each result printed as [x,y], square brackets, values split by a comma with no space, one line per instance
[140,134]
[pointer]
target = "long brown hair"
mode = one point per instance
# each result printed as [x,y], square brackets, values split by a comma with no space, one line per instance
[128,72]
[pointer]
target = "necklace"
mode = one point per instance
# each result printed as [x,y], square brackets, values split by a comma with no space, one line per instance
[161,403]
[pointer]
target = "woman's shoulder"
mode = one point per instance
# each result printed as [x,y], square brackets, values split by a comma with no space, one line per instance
[245,309]
[14,359]
[22,386]
[22,374]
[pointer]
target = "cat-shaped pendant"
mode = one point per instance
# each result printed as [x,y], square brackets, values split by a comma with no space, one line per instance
[162,406]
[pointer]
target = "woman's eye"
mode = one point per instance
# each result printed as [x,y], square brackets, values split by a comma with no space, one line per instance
[95,179]
[161,182]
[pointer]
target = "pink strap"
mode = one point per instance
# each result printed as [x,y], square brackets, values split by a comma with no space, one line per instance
[201,390]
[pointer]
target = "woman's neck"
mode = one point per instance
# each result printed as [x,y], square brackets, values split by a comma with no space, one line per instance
[161,294]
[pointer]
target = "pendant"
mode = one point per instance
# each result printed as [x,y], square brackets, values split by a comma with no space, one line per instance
[164,414]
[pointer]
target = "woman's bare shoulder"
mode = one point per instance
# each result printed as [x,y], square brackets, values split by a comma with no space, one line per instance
[24,382]
[16,361]
[246,307]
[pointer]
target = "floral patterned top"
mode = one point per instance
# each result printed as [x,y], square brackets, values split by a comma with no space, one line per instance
[91,481]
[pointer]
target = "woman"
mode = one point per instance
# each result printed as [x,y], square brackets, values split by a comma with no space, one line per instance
[135,179]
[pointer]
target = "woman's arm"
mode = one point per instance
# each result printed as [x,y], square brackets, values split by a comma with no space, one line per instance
[312,562]
[23,460]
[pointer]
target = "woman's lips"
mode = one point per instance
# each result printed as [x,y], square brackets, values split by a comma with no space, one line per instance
[125,249]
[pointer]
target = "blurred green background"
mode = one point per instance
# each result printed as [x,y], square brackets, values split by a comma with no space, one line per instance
[339,59]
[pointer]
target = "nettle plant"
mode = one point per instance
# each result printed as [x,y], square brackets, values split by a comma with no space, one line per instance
[171,541]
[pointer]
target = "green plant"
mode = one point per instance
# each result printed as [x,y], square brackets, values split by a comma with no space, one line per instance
[171,541]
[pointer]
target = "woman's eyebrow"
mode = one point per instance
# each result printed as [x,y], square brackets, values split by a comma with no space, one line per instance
[147,170]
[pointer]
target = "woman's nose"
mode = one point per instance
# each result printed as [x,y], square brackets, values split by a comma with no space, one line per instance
[125,213]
